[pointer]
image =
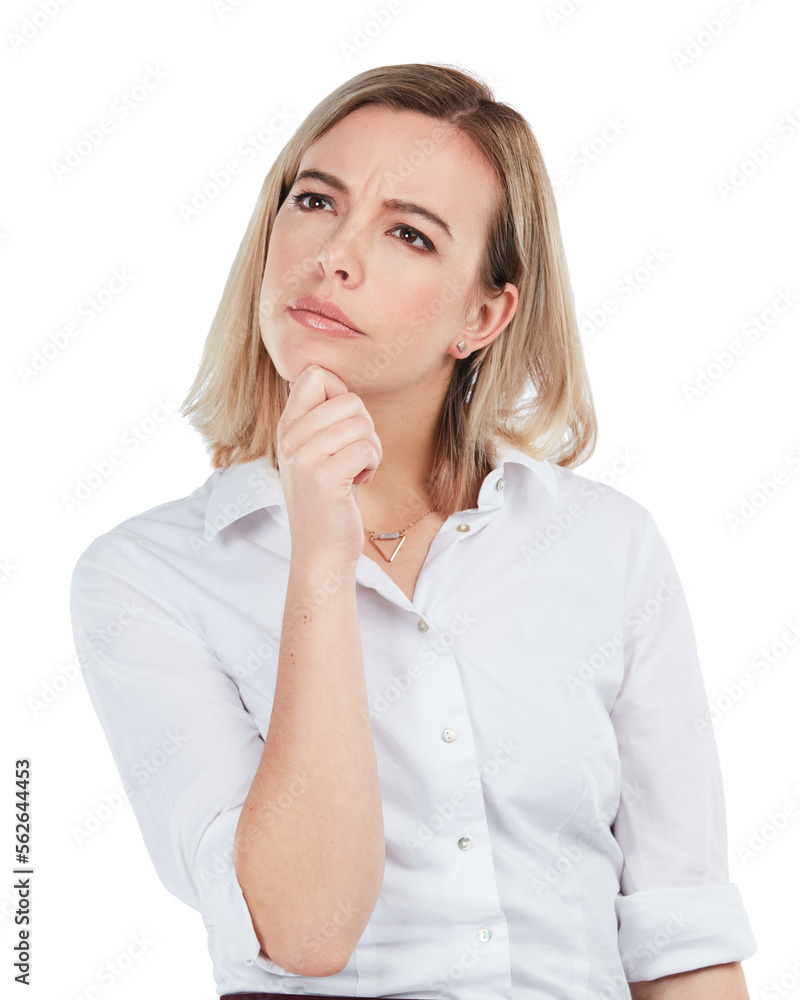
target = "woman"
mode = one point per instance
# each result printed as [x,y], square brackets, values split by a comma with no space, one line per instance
[412,708]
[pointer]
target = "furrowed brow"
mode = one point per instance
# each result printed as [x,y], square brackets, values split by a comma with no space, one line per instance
[395,204]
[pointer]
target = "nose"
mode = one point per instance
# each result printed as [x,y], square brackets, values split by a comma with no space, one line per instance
[339,253]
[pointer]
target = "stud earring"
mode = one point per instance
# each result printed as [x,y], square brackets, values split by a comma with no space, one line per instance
[462,346]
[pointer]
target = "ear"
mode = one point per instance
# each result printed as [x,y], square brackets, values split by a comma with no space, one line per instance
[492,316]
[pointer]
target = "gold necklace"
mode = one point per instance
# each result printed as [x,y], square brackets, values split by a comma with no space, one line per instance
[374,537]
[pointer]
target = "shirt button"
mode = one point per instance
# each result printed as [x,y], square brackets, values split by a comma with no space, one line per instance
[463,527]
[422,626]
[248,961]
[465,843]
[484,934]
[500,484]
[448,735]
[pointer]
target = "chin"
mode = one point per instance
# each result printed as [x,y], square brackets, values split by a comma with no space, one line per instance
[295,361]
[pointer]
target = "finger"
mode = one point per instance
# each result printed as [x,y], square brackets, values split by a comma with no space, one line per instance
[312,386]
[359,454]
[330,438]
[335,410]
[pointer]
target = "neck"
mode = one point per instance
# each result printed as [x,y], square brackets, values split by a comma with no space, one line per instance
[397,491]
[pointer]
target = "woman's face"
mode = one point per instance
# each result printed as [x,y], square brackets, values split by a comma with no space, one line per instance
[399,276]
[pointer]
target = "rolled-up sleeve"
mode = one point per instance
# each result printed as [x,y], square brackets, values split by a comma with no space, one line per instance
[677,909]
[185,747]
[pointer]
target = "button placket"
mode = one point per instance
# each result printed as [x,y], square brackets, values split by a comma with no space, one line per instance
[477,863]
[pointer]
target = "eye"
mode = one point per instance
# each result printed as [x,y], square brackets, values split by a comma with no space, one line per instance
[297,198]
[427,246]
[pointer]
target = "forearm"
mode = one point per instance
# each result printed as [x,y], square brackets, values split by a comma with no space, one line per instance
[310,846]
[715,982]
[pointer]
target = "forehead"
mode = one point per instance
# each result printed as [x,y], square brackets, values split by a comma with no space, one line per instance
[381,153]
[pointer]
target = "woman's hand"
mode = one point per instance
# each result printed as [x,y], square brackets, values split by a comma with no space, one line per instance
[327,447]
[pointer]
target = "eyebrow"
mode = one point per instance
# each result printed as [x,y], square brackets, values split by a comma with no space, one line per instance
[395,204]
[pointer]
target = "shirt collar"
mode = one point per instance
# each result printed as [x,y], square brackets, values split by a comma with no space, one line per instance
[245,487]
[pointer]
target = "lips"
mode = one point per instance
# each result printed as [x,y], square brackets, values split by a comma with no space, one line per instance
[314,304]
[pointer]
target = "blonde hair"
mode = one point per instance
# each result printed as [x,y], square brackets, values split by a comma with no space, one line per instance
[238,396]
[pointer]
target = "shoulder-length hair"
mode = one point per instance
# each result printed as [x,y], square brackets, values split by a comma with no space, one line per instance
[528,389]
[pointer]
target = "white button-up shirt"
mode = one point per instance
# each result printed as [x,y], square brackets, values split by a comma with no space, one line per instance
[552,797]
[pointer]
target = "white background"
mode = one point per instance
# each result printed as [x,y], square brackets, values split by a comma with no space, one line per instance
[692,108]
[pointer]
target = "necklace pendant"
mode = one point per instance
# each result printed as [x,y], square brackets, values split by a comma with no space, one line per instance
[386,535]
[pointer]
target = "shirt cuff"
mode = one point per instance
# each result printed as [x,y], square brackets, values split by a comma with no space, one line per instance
[224,907]
[664,931]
